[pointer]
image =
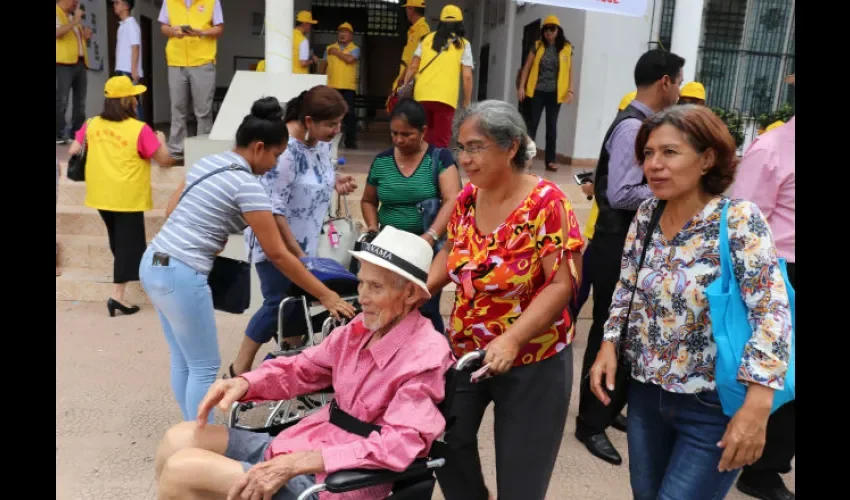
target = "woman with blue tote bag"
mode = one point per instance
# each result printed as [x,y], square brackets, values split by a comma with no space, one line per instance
[685,439]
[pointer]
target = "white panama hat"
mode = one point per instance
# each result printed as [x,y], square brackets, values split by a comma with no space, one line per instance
[403,253]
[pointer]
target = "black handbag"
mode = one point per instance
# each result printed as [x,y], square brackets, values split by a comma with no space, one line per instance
[620,395]
[77,163]
[230,279]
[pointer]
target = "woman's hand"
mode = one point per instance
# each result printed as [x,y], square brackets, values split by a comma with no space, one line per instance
[605,367]
[743,441]
[345,184]
[587,188]
[569,97]
[520,94]
[501,354]
[336,306]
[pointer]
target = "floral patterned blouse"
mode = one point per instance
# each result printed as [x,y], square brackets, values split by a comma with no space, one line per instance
[300,187]
[499,274]
[669,336]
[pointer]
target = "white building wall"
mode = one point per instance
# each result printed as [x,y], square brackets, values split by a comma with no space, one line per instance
[612,46]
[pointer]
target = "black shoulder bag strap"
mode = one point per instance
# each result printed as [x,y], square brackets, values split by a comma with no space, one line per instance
[647,240]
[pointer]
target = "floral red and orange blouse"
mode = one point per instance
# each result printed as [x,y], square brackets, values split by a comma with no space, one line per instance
[499,274]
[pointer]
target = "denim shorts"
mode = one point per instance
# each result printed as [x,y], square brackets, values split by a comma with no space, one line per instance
[249,448]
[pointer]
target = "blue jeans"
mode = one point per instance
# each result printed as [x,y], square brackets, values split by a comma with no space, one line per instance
[273,285]
[673,452]
[183,301]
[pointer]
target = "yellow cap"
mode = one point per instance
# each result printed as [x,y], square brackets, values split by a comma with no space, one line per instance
[305,16]
[694,90]
[627,99]
[346,26]
[451,13]
[551,20]
[777,123]
[415,3]
[121,86]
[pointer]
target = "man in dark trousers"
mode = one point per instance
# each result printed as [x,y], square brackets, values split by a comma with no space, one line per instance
[767,176]
[619,187]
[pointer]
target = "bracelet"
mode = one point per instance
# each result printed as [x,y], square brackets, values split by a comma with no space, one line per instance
[433,234]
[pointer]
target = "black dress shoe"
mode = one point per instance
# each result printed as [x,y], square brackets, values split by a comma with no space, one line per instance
[775,492]
[619,423]
[113,305]
[599,446]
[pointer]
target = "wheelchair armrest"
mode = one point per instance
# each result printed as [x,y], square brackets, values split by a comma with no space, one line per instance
[355,479]
[285,354]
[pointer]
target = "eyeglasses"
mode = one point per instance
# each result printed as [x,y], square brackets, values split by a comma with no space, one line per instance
[550,28]
[470,150]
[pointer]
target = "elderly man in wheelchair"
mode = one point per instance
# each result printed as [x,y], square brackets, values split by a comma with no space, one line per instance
[388,368]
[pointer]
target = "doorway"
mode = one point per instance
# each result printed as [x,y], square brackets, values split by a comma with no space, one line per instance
[483,69]
[146,27]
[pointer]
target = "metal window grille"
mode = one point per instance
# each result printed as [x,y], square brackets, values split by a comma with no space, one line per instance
[369,17]
[746,51]
[668,9]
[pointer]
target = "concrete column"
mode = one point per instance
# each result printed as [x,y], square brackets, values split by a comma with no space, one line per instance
[509,92]
[687,28]
[280,19]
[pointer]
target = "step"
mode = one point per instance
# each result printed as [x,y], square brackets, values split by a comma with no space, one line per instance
[93,285]
[86,221]
[74,193]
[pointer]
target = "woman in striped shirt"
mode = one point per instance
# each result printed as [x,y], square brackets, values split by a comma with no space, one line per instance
[405,187]
[227,198]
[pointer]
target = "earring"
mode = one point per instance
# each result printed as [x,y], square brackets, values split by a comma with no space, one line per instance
[307,136]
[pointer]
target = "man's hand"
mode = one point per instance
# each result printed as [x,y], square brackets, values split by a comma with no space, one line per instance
[501,353]
[135,75]
[263,480]
[345,184]
[587,188]
[222,393]
[605,367]
[333,52]
[78,16]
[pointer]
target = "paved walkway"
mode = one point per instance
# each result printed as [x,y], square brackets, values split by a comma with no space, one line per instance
[113,403]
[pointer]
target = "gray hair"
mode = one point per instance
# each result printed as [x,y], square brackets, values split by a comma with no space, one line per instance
[501,122]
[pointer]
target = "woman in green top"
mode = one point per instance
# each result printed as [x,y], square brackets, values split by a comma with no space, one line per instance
[405,188]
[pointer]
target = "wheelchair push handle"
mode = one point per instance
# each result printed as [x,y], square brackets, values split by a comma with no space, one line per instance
[470,360]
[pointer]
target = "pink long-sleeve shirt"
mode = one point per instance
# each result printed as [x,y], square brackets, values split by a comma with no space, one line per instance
[397,383]
[767,177]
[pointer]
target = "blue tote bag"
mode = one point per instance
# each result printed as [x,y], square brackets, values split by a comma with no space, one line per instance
[732,331]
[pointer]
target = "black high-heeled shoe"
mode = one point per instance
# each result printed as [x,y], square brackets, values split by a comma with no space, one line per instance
[113,305]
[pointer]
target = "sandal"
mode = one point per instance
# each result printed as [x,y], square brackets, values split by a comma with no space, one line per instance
[551,167]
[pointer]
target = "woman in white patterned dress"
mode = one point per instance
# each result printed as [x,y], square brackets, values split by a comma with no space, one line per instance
[300,188]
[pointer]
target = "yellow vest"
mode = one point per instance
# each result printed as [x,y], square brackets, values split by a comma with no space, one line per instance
[191,51]
[566,60]
[67,48]
[297,38]
[414,35]
[590,226]
[342,75]
[441,80]
[117,178]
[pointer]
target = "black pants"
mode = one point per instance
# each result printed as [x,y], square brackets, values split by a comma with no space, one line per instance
[127,242]
[70,78]
[350,121]
[549,102]
[780,447]
[604,256]
[531,404]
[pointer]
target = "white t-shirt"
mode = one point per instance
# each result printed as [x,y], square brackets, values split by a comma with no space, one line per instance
[129,34]
[304,50]
[465,58]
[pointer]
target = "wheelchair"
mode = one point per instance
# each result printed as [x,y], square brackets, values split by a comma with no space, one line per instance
[315,317]
[417,481]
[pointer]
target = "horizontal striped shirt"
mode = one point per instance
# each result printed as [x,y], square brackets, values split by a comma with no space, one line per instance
[398,195]
[198,228]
